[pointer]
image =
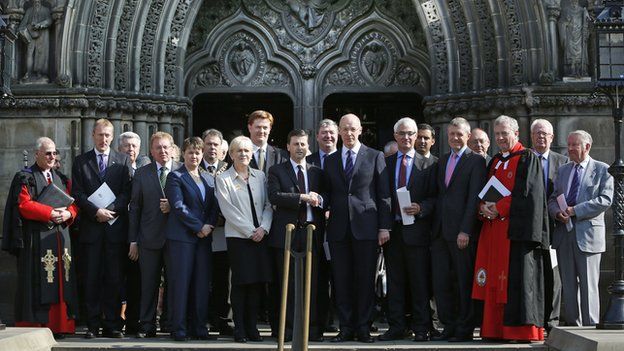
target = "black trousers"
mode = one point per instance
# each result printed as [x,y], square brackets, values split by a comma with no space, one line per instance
[452,271]
[325,288]
[245,300]
[132,295]
[407,269]
[552,292]
[219,306]
[353,267]
[103,264]
[152,262]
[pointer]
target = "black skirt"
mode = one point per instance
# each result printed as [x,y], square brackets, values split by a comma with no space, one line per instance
[250,261]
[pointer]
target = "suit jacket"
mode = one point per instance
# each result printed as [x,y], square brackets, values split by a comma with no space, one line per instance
[189,212]
[284,194]
[364,202]
[594,198]
[146,221]
[86,180]
[221,167]
[555,160]
[234,202]
[457,203]
[274,156]
[422,188]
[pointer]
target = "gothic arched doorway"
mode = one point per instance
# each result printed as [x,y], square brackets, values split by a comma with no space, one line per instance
[228,113]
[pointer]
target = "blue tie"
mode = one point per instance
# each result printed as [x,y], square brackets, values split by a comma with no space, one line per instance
[574,186]
[102,165]
[349,166]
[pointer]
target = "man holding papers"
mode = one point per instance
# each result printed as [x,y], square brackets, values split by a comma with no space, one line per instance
[407,251]
[509,273]
[35,230]
[103,230]
[584,189]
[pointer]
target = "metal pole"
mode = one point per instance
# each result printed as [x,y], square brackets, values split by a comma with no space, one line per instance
[282,320]
[308,286]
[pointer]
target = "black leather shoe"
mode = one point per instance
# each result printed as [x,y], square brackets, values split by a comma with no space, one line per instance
[240,339]
[390,335]
[433,333]
[365,338]
[315,337]
[58,336]
[420,336]
[114,334]
[226,330]
[461,338]
[91,334]
[342,337]
[331,329]
[446,334]
[180,338]
[255,338]
[205,337]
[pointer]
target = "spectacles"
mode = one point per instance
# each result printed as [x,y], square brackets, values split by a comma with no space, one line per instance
[542,134]
[51,153]
[405,133]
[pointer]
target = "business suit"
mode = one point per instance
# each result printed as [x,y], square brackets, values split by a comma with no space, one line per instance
[147,229]
[284,195]
[579,252]
[273,156]
[552,278]
[407,252]
[103,246]
[359,208]
[250,261]
[456,211]
[189,257]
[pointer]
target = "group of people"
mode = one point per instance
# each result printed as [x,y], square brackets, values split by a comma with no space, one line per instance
[469,260]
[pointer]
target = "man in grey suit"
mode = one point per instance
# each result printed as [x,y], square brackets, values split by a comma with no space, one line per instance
[148,215]
[461,175]
[541,139]
[588,190]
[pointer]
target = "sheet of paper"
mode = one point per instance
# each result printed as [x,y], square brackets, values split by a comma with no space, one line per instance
[494,182]
[103,197]
[553,257]
[403,197]
[563,205]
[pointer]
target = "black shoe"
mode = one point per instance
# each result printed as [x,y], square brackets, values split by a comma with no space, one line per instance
[91,334]
[205,337]
[434,333]
[58,336]
[373,328]
[461,338]
[331,329]
[365,337]
[342,337]
[316,337]
[420,336]
[390,335]
[255,338]
[240,339]
[182,338]
[445,335]
[226,330]
[114,334]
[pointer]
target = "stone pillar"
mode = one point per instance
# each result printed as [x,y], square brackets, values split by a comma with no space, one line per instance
[55,45]
[14,14]
[87,124]
[308,115]
[140,127]
[553,11]
[115,118]
[164,123]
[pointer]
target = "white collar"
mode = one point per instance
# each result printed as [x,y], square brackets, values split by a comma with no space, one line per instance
[544,155]
[106,153]
[256,148]
[169,164]
[355,148]
[295,165]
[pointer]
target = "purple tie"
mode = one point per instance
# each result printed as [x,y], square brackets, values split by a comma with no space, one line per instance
[102,164]
[450,168]
[349,166]
[574,186]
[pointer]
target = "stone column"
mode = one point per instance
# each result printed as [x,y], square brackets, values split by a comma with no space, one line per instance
[553,11]
[14,14]
[55,45]
[308,116]
[86,125]
[115,118]
[164,123]
[140,127]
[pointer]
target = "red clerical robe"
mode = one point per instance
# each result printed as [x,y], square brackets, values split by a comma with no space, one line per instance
[58,320]
[491,276]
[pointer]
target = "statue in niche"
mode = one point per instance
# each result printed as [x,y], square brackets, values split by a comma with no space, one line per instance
[34,30]
[242,60]
[309,12]
[573,38]
[375,60]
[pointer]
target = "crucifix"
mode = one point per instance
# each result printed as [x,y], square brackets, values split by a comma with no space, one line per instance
[49,261]
[502,277]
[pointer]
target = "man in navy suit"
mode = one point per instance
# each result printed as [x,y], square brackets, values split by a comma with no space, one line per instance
[358,197]
[103,243]
[407,251]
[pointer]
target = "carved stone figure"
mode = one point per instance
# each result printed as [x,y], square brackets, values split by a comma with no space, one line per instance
[573,36]
[375,60]
[35,32]
[242,61]
[309,12]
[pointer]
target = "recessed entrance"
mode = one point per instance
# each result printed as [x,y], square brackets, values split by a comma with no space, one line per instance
[228,113]
[378,112]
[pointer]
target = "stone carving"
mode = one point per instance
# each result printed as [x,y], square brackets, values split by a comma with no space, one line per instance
[242,60]
[310,12]
[339,76]
[97,34]
[209,75]
[276,77]
[402,11]
[573,35]
[375,60]
[147,47]
[374,56]
[463,42]
[488,44]
[210,13]
[34,30]
[439,55]
[407,75]
[123,40]
[518,56]
[308,71]
[171,51]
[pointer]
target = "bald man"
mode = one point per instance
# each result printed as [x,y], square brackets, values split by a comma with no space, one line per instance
[479,143]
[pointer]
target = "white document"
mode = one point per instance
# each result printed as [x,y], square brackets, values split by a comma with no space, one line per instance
[497,185]
[553,257]
[563,206]
[103,197]
[403,197]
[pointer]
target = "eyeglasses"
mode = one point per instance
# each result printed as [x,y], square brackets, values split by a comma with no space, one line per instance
[542,134]
[403,134]
[51,153]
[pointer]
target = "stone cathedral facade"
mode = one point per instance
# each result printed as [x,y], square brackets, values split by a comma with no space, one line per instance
[181,66]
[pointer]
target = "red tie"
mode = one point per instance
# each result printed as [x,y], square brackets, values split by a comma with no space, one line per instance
[403,172]
[49,177]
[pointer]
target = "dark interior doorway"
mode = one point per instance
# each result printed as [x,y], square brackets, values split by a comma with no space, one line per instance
[228,113]
[378,112]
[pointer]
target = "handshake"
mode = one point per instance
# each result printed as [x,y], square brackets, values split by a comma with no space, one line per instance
[313,199]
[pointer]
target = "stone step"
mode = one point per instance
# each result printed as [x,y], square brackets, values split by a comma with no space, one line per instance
[26,339]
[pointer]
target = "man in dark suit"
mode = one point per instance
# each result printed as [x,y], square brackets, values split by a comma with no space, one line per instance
[103,242]
[425,139]
[326,137]
[219,306]
[259,125]
[358,196]
[293,189]
[461,175]
[407,251]
[541,139]
[130,144]
[148,214]
[479,143]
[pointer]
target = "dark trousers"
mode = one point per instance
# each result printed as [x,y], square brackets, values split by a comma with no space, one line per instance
[552,292]
[133,295]
[151,262]
[353,267]
[407,269]
[245,300]
[219,306]
[325,299]
[189,286]
[453,270]
[103,265]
